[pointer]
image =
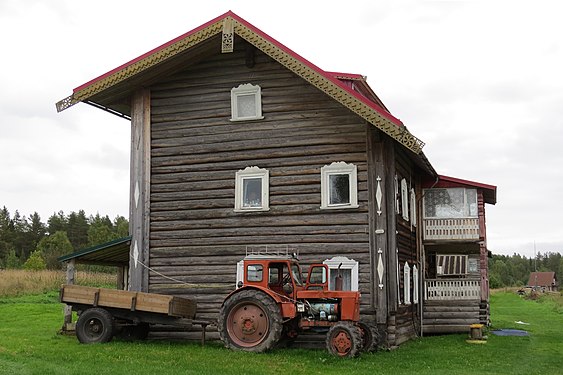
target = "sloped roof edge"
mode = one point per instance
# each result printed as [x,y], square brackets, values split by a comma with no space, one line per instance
[326,82]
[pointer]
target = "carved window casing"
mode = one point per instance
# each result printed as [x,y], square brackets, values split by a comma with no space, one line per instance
[349,269]
[246,102]
[339,186]
[252,190]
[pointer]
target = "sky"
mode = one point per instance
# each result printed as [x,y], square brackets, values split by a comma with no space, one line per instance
[479,81]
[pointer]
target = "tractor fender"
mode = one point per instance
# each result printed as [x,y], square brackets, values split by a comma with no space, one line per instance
[275,297]
[287,306]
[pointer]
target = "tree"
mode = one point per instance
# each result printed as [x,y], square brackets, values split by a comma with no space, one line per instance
[100,231]
[35,262]
[56,223]
[54,246]
[121,227]
[12,260]
[77,229]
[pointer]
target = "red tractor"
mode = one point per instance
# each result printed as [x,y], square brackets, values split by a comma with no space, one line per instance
[273,304]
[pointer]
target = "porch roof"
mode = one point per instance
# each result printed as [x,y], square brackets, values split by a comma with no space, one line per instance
[112,253]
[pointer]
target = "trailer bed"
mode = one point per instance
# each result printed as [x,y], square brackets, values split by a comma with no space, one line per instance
[133,301]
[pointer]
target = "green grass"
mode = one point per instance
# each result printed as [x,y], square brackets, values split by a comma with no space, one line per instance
[29,344]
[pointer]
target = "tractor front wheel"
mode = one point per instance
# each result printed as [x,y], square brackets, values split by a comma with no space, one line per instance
[344,339]
[250,320]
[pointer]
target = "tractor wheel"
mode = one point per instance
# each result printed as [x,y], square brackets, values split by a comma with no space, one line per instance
[95,325]
[251,321]
[344,339]
[370,337]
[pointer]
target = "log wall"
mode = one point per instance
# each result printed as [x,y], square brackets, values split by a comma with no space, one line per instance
[196,238]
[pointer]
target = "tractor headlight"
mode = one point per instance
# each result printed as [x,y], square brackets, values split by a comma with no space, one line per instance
[300,307]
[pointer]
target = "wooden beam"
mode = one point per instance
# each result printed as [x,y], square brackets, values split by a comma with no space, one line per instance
[139,206]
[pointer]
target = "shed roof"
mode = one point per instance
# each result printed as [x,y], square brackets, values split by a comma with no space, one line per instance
[110,90]
[542,279]
[112,253]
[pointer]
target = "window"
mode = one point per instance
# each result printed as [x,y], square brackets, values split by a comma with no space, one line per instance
[450,203]
[246,102]
[451,265]
[407,284]
[252,190]
[473,265]
[339,186]
[413,207]
[415,284]
[254,273]
[405,199]
[348,270]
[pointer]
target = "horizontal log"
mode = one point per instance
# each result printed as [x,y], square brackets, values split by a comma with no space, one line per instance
[327,219]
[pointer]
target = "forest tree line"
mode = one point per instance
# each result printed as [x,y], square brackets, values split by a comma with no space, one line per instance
[515,270]
[32,243]
[27,242]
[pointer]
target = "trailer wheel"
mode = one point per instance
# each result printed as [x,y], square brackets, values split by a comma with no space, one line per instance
[251,321]
[370,337]
[95,325]
[344,339]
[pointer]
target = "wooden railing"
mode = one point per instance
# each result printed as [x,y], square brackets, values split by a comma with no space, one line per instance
[452,289]
[451,229]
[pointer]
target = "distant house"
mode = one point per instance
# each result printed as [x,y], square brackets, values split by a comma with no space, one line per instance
[240,143]
[547,281]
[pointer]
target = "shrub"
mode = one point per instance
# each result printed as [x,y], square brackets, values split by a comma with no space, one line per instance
[35,262]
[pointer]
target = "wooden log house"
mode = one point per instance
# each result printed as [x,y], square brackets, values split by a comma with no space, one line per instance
[239,143]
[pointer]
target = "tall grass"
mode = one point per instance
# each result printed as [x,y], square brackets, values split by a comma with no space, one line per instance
[15,283]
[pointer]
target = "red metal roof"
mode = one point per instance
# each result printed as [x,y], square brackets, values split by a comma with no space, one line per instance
[330,76]
[542,279]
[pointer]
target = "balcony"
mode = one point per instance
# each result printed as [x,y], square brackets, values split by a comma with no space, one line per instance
[452,289]
[451,229]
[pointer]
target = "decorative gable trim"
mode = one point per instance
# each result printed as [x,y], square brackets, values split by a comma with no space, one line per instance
[326,82]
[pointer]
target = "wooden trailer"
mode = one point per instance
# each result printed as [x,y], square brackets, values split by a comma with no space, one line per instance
[104,313]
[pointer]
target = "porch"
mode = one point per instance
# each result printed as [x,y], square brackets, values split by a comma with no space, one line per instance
[452,305]
[451,229]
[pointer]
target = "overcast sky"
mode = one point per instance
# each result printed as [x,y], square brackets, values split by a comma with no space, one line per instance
[480,82]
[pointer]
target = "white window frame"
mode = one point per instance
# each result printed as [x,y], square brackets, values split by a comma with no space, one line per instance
[347,264]
[413,207]
[243,90]
[407,283]
[339,168]
[415,284]
[405,199]
[248,173]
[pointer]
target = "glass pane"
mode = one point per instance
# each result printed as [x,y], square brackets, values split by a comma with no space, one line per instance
[318,275]
[252,192]
[339,185]
[246,105]
[444,203]
[254,272]
[472,201]
[346,279]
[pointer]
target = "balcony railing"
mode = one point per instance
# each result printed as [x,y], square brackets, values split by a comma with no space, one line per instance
[451,229]
[452,289]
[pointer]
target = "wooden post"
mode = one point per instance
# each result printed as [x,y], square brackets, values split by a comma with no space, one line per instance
[139,206]
[70,275]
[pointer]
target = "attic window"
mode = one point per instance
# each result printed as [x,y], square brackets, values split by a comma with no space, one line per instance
[246,102]
[339,186]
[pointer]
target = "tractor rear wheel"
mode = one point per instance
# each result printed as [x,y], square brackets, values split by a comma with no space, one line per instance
[95,325]
[250,320]
[344,339]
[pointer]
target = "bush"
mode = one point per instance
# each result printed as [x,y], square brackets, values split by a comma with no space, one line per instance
[35,262]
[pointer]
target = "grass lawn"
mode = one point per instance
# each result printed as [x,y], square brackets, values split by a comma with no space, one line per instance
[29,344]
